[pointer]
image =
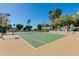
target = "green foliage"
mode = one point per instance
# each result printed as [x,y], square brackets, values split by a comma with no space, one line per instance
[54,14]
[19,26]
[46,25]
[29,20]
[39,27]
[27,28]
[9,26]
[60,21]
[54,26]
[35,29]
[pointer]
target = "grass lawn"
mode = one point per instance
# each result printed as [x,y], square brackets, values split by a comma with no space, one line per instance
[37,39]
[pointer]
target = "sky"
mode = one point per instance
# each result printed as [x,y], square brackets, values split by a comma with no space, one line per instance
[37,12]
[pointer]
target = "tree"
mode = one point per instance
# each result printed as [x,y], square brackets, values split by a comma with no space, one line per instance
[14,25]
[4,20]
[54,15]
[19,26]
[54,26]
[28,22]
[70,21]
[35,29]
[27,28]
[46,25]
[24,29]
[77,18]
[9,26]
[39,27]
[60,21]
[75,21]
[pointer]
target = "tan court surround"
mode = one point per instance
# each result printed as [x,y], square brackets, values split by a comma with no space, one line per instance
[66,46]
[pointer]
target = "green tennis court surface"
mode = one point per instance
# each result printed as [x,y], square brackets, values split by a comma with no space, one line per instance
[37,39]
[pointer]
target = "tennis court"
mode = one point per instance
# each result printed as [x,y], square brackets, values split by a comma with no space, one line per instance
[38,39]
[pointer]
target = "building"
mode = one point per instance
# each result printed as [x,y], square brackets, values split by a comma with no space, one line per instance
[46,28]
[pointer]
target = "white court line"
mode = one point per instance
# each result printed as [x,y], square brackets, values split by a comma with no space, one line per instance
[41,42]
[35,39]
[26,42]
[50,42]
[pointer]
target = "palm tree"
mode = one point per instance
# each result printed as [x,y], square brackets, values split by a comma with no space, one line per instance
[28,22]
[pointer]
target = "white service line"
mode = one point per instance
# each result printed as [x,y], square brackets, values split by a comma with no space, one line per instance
[27,42]
[35,39]
[41,45]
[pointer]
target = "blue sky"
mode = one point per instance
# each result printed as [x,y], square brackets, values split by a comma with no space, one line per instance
[38,13]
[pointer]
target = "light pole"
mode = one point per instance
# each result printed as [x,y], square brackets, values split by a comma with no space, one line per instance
[1,19]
